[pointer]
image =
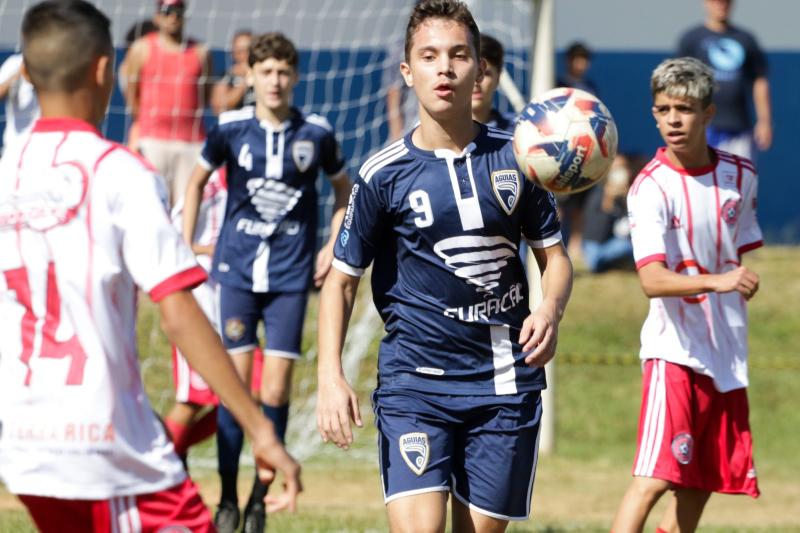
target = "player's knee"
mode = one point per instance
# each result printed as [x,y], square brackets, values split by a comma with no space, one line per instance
[275,394]
[649,489]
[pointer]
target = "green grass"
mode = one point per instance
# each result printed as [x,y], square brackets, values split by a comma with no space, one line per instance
[597,400]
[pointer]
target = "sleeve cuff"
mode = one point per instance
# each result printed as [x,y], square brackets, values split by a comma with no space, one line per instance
[347,269]
[750,247]
[547,242]
[187,279]
[655,258]
[205,164]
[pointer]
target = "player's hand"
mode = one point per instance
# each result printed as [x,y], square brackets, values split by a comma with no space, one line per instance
[337,405]
[270,455]
[762,134]
[323,266]
[741,279]
[539,333]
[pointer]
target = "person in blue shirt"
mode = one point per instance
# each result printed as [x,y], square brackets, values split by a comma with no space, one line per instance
[483,109]
[740,70]
[264,258]
[438,214]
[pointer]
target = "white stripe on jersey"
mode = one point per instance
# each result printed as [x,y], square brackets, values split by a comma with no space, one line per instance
[133,515]
[497,133]
[237,115]
[261,268]
[469,209]
[503,358]
[184,377]
[381,159]
[274,167]
[319,120]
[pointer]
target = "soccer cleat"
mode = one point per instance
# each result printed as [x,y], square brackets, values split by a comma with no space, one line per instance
[255,518]
[227,518]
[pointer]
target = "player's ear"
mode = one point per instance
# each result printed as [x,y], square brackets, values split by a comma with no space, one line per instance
[405,71]
[100,70]
[23,71]
[249,78]
[708,113]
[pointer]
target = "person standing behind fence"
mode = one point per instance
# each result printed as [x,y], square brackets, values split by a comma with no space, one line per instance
[168,87]
[739,67]
[233,91]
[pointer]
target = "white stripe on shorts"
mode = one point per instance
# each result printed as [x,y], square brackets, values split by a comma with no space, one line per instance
[653,431]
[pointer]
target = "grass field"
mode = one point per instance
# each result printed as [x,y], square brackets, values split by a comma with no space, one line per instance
[597,397]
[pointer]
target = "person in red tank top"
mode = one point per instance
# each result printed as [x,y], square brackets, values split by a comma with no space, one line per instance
[168,85]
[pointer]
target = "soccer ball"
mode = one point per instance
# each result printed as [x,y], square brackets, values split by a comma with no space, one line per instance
[565,140]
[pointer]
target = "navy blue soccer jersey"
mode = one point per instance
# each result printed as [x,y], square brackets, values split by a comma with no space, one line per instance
[442,230]
[268,236]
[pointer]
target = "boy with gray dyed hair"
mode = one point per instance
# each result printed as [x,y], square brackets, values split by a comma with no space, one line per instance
[692,213]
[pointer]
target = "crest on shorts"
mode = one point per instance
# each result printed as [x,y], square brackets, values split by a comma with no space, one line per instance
[415,451]
[682,445]
[234,328]
[730,211]
[506,187]
[303,154]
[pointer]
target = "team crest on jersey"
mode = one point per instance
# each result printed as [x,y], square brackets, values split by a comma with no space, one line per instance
[303,154]
[682,445]
[730,211]
[234,328]
[415,451]
[506,186]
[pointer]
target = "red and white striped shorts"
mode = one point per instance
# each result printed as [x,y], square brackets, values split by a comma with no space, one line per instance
[178,509]
[693,435]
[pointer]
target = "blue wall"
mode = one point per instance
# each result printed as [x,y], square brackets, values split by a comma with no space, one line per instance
[623,82]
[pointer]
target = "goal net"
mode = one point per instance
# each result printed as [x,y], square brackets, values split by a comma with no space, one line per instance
[348,57]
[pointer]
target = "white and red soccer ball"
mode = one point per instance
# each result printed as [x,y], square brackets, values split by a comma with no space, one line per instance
[565,140]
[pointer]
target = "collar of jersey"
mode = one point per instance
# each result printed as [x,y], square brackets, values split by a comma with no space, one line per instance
[661,155]
[283,125]
[52,124]
[443,153]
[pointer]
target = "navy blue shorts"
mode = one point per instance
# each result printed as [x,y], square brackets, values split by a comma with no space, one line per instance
[481,448]
[282,312]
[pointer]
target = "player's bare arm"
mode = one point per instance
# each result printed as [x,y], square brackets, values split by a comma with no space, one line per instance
[341,192]
[191,206]
[539,332]
[658,281]
[185,324]
[337,403]
[134,60]
[763,107]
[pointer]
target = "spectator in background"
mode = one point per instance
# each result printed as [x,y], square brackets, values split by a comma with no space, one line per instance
[570,206]
[136,31]
[167,90]
[483,96]
[739,67]
[22,108]
[607,235]
[232,91]
[579,59]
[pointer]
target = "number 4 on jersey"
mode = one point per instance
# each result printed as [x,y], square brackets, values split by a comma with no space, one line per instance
[49,347]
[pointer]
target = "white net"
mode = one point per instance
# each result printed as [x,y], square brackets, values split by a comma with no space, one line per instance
[349,53]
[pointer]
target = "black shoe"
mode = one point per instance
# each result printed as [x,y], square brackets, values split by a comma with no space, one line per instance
[255,518]
[227,518]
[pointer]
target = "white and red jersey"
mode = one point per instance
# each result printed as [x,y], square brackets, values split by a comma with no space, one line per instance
[189,385]
[697,221]
[83,224]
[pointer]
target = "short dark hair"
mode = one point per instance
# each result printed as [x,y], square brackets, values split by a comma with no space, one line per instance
[140,29]
[578,49]
[60,41]
[492,51]
[446,9]
[272,45]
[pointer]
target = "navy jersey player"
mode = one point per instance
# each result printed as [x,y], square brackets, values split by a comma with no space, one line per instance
[439,214]
[264,258]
